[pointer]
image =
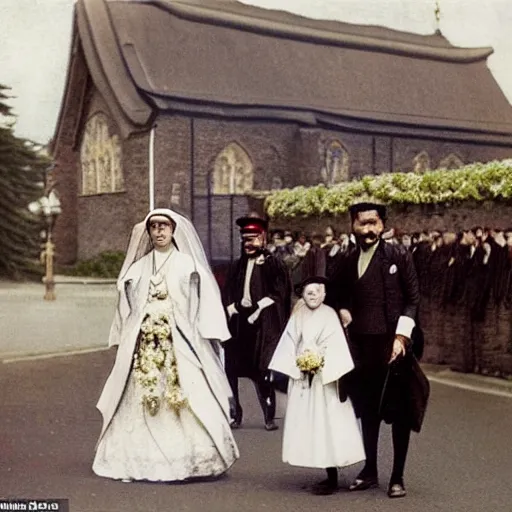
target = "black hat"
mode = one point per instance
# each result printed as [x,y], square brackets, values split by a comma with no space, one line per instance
[310,280]
[356,208]
[250,224]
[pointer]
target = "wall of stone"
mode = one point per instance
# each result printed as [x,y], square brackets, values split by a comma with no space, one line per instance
[415,218]
[105,220]
[66,228]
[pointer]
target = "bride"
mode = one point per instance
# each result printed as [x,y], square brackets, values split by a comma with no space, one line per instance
[165,405]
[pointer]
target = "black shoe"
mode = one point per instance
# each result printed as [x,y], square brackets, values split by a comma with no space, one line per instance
[396,490]
[236,416]
[324,488]
[363,483]
[236,422]
[271,425]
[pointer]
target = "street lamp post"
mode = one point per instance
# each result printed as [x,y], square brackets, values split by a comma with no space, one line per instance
[49,208]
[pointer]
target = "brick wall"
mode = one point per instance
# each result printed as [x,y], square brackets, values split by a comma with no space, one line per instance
[89,225]
[106,220]
[405,149]
[66,228]
[270,146]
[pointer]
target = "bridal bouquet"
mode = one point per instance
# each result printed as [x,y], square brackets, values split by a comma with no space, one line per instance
[309,363]
[155,367]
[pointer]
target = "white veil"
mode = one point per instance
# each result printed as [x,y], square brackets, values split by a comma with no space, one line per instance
[187,241]
[185,238]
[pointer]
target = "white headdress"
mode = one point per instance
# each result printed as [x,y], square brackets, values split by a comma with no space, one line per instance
[185,238]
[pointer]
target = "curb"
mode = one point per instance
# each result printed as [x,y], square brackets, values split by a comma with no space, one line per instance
[60,279]
[19,358]
[484,387]
[469,381]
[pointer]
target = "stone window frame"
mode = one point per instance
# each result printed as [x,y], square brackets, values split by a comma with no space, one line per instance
[452,157]
[110,147]
[326,147]
[213,190]
[421,162]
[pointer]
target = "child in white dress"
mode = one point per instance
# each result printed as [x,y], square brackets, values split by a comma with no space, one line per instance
[320,430]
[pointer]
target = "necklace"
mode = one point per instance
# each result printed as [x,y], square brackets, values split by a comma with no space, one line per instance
[156,289]
[155,270]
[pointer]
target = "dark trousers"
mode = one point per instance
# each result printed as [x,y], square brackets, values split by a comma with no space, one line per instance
[401,434]
[371,354]
[264,390]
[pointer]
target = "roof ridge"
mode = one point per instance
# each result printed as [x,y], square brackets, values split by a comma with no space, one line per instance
[278,24]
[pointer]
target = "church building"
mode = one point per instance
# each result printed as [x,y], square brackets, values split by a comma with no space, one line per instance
[198,105]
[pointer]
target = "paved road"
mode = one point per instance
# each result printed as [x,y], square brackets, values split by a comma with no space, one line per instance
[461,462]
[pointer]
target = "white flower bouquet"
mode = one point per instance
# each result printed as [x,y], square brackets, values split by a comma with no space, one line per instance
[155,368]
[309,363]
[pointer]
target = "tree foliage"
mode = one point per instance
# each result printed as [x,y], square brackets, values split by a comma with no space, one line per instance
[21,173]
[477,182]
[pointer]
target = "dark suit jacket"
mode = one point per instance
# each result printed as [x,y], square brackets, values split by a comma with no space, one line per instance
[400,287]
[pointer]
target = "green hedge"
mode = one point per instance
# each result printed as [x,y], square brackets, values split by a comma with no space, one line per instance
[477,182]
[107,264]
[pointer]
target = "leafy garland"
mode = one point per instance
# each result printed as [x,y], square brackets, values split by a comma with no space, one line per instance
[477,181]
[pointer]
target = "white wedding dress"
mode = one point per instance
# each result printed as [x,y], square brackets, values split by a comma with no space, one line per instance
[168,446]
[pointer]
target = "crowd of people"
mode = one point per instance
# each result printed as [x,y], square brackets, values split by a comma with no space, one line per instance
[465,280]
[345,347]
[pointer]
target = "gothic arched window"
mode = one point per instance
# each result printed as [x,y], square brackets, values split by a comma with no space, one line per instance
[100,158]
[232,171]
[335,164]
[421,162]
[452,161]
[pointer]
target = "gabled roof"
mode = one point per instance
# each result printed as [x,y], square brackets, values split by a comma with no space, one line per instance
[230,59]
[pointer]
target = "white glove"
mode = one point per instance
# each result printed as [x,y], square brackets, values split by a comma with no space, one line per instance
[346,317]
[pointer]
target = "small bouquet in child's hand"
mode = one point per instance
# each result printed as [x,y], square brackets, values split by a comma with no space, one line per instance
[309,363]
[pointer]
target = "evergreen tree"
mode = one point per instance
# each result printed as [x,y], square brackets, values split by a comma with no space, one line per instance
[21,174]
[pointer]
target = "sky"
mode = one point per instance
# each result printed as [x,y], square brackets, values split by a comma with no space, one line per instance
[35,39]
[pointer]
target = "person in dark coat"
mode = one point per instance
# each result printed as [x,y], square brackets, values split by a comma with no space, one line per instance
[376,292]
[313,263]
[257,299]
[282,250]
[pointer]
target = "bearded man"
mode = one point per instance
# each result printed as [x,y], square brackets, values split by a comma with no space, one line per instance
[257,298]
[376,293]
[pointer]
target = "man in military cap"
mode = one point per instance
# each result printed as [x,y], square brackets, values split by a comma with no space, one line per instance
[376,292]
[257,299]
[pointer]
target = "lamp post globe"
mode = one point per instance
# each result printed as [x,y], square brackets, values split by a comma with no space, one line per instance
[49,208]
